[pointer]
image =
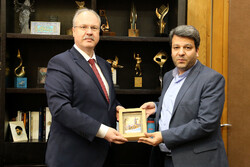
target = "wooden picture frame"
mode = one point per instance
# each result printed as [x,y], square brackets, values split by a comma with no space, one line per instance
[132,123]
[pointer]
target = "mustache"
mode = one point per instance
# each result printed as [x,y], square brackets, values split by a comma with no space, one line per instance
[87,36]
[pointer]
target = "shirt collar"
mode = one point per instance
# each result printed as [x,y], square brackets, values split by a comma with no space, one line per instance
[86,57]
[178,78]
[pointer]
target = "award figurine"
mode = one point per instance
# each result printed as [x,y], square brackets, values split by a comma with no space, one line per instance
[160,58]
[161,13]
[133,32]
[80,5]
[20,81]
[105,24]
[114,66]
[138,72]
[24,10]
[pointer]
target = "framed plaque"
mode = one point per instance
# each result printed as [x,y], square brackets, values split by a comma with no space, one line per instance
[45,28]
[132,123]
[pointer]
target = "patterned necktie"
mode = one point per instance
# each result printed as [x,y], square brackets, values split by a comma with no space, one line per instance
[92,63]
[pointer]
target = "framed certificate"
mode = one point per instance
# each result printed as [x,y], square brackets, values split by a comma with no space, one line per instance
[132,123]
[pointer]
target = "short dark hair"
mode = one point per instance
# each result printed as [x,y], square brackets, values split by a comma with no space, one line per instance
[186,31]
[19,127]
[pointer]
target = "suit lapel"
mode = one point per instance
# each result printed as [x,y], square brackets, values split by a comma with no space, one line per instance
[187,83]
[79,60]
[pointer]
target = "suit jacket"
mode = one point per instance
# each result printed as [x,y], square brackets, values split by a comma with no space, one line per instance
[194,136]
[78,107]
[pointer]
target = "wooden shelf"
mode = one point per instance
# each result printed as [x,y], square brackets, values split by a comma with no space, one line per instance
[33,36]
[103,38]
[134,39]
[19,153]
[118,91]
[25,91]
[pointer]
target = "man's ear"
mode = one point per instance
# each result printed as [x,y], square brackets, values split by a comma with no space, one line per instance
[197,52]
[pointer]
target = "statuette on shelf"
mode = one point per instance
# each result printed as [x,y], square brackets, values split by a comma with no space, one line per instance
[114,67]
[138,71]
[160,58]
[20,81]
[161,13]
[80,4]
[133,32]
[24,9]
[105,24]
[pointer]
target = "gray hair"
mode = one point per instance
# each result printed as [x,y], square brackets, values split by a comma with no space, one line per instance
[186,31]
[79,11]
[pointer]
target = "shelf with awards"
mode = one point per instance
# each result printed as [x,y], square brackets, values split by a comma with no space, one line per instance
[135,41]
[118,91]
[103,38]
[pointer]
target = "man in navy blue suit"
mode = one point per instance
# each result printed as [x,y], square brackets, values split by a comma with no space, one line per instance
[189,109]
[82,100]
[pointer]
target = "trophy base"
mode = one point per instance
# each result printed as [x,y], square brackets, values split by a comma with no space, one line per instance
[20,82]
[138,82]
[133,32]
[108,33]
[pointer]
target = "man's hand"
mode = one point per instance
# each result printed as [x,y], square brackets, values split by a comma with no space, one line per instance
[117,111]
[115,137]
[153,139]
[149,108]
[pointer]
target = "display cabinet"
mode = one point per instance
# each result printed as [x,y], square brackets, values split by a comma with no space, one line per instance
[36,50]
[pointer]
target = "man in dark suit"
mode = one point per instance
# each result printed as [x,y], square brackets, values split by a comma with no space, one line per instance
[189,110]
[82,100]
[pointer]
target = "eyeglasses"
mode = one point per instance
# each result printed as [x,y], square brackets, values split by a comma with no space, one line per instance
[85,28]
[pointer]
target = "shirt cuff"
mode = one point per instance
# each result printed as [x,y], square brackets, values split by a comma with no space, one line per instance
[155,107]
[102,131]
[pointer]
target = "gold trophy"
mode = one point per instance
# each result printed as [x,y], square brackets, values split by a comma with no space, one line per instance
[160,58]
[20,81]
[80,5]
[105,26]
[138,72]
[161,13]
[133,32]
[114,66]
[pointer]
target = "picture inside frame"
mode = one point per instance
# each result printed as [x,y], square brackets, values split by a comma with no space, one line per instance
[18,131]
[41,75]
[132,123]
